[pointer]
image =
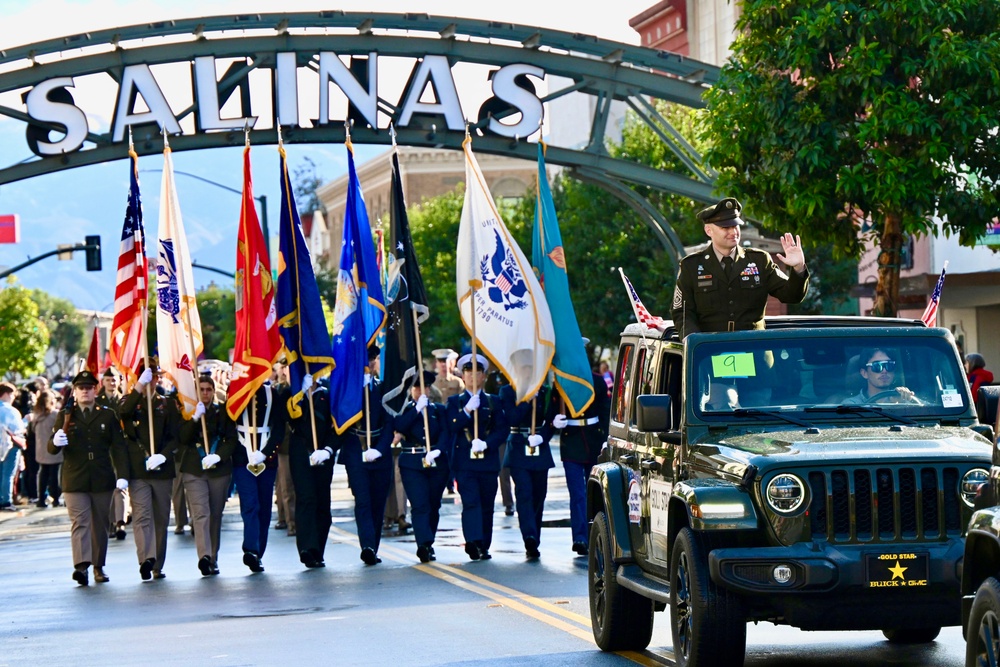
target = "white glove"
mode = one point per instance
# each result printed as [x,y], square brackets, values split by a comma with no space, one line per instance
[146,377]
[559,421]
[371,454]
[307,382]
[368,379]
[431,455]
[60,439]
[473,403]
[534,440]
[422,403]
[478,445]
[319,457]
[122,484]
[256,458]
[199,410]
[210,461]
[155,461]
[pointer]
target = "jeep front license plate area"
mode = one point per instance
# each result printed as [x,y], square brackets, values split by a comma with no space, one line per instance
[896,570]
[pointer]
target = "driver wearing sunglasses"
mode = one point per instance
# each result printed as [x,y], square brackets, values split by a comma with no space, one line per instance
[879,372]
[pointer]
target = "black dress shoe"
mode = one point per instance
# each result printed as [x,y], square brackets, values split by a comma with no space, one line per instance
[215,568]
[205,566]
[580,548]
[484,553]
[80,577]
[100,577]
[252,561]
[472,550]
[281,525]
[430,549]
[158,574]
[508,511]
[146,569]
[369,557]
[120,533]
[424,553]
[531,548]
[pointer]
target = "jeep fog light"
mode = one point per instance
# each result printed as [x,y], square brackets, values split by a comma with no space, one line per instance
[972,481]
[782,574]
[785,493]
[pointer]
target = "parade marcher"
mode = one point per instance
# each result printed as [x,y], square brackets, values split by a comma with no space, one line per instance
[425,472]
[207,472]
[40,431]
[11,428]
[476,457]
[149,467]
[311,447]
[366,453]
[447,383]
[284,487]
[580,442]
[109,397]
[725,287]
[258,450]
[529,457]
[90,439]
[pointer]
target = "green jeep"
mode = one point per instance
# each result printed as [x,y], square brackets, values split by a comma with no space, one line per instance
[783,475]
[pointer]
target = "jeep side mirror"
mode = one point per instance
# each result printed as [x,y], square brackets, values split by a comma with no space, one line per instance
[654,413]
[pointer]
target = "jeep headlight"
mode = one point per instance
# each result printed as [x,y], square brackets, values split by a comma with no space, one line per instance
[972,481]
[785,493]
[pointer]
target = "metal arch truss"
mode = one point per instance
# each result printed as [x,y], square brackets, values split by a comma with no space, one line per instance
[606,71]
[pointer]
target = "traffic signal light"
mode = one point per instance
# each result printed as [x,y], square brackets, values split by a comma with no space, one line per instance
[93,244]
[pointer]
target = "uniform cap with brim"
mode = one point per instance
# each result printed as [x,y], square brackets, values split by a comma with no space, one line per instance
[108,373]
[443,353]
[85,379]
[724,214]
[466,360]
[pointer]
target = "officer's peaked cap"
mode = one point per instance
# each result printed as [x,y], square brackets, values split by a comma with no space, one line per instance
[465,362]
[85,379]
[724,214]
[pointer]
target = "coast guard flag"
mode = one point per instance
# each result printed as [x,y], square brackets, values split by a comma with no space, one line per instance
[930,313]
[128,335]
[300,311]
[494,279]
[570,365]
[641,314]
[178,327]
[360,311]
[404,294]
[257,339]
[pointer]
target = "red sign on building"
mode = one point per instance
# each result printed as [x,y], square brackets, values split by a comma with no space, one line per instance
[10,228]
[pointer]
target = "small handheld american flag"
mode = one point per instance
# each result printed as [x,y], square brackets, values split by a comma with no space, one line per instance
[641,314]
[930,313]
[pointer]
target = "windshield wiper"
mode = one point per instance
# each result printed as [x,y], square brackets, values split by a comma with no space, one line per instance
[755,412]
[856,409]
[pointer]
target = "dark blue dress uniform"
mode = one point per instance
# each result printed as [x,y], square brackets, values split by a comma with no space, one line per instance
[529,468]
[369,482]
[311,482]
[477,479]
[256,492]
[424,485]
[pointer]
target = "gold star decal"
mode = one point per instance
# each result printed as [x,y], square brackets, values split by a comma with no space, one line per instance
[897,572]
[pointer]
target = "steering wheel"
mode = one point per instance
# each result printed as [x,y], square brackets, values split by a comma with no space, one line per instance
[881,397]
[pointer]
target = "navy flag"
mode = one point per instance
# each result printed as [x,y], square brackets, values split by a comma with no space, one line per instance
[404,295]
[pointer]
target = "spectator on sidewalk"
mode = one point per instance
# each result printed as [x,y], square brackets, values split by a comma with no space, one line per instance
[975,367]
[11,428]
[39,431]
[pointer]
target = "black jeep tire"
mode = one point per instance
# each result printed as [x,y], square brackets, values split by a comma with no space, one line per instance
[622,620]
[911,635]
[982,647]
[708,623]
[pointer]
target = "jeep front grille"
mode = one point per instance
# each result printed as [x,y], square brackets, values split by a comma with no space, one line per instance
[885,504]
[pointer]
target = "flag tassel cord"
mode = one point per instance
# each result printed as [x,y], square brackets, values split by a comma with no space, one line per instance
[420,376]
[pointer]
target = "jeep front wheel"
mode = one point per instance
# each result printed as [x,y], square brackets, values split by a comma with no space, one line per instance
[983,632]
[622,619]
[708,623]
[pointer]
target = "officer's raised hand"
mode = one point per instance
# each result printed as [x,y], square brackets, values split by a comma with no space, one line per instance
[145,378]
[793,258]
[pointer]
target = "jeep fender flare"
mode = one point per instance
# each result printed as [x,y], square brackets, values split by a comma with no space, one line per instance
[982,549]
[608,481]
[711,504]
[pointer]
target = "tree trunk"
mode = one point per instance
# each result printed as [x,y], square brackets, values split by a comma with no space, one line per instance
[887,289]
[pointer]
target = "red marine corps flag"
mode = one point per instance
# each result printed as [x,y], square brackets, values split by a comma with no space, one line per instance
[257,339]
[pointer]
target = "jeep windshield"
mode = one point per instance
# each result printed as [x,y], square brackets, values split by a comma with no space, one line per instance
[837,374]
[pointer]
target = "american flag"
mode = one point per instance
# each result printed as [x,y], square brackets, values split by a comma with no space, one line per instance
[127,345]
[930,313]
[641,314]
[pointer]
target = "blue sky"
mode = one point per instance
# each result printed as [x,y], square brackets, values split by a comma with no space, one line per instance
[66,206]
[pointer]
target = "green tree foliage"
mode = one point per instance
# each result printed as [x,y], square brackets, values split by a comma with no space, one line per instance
[217,310]
[829,113]
[24,338]
[305,182]
[67,331]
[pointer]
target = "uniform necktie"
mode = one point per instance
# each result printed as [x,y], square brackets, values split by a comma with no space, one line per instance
[727,266]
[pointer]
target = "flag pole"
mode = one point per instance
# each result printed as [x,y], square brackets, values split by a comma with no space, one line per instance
[145,314]
[368,423]
[420,374]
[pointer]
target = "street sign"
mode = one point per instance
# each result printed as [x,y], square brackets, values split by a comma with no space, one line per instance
[10,228]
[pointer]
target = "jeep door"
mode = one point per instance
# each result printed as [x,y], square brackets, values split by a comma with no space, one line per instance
[623,439]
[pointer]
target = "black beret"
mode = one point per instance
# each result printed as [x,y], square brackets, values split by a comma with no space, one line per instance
[373,352]
[724,214]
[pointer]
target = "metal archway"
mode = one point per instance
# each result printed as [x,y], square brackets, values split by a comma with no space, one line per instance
[603,70]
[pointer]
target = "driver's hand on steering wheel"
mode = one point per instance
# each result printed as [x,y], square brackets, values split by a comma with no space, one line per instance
[906,394]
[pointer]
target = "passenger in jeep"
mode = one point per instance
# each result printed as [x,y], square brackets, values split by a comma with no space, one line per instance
[879,372]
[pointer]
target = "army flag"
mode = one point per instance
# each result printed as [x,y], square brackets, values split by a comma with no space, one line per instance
[94,355]
[360,311]
[496,286]
[257,339]
[178,326]
[300,310]
[127,345]
[573,377]
[404,296]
